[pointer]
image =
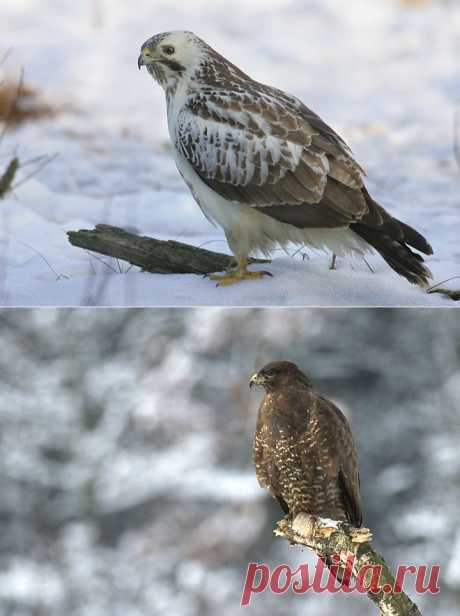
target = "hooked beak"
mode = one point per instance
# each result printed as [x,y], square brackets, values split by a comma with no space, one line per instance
[254,380]
[145,57]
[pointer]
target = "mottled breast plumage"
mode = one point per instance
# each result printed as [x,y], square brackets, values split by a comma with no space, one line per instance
[304,454]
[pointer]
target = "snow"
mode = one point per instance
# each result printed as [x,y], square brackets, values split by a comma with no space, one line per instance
[126,475]
[384,76]
[453,568]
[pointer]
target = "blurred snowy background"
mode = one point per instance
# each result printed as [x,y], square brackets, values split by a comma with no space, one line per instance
[384,73]
[126,481]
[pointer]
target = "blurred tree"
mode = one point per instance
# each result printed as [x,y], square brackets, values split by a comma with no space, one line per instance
[125,474]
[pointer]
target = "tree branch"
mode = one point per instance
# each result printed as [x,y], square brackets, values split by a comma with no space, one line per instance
[344,540]
[152,255]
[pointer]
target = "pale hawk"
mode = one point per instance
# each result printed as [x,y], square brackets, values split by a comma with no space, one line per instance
[266,168]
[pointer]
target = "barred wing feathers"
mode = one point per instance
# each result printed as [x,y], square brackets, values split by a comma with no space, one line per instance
[266,154]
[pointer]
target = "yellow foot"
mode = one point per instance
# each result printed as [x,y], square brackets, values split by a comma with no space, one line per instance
[229,278]
[361,535]
[308,526]
[326,531]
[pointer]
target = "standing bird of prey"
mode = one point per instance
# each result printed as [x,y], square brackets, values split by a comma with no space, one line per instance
[303,449]
[267,169]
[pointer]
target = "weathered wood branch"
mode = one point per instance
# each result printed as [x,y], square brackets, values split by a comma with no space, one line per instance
[152,255]
[346,541]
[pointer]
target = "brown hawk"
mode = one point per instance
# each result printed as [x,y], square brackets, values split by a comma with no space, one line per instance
[303,448]
[265,167]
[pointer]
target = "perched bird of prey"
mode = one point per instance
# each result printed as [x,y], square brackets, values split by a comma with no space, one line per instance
[303,449]
[267,169]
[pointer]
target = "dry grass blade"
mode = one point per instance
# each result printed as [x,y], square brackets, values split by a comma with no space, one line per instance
[9,96]
[37,252]
[6,55]
[6,180]
[20,103]
[47,160]
[453,295]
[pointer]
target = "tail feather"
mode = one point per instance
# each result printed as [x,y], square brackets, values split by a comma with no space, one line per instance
[396,253]
[416,239]
[393,239]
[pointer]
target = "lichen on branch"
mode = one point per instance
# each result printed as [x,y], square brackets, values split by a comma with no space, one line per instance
[338,543]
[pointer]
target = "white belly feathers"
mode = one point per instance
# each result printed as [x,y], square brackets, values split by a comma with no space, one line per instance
[248,230]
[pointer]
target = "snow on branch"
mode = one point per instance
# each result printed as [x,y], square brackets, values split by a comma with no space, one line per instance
[337,544]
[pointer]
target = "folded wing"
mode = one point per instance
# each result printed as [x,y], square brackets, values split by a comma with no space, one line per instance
[275,156]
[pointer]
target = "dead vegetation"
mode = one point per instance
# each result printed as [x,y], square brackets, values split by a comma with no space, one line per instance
[7,178]
[20,103]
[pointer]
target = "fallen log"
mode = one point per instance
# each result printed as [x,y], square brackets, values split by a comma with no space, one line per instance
[150,254]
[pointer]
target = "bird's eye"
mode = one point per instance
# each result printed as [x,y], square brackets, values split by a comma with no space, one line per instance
[270,373]
[169,50]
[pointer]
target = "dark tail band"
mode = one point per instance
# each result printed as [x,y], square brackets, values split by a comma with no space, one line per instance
[393,239]
[397,254]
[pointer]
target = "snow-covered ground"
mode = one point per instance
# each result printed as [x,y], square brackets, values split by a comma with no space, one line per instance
[386,77]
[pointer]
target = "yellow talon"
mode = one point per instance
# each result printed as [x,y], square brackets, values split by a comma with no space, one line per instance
[238,275]
[326,531]
[361,535]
